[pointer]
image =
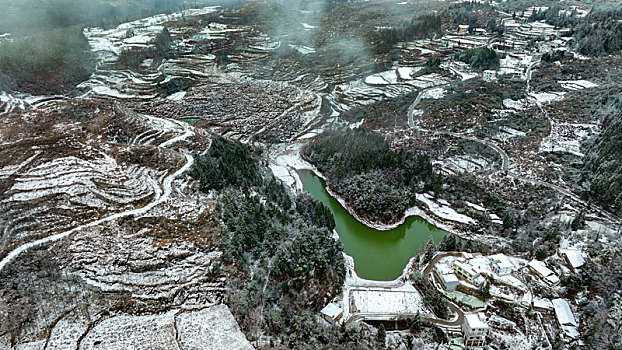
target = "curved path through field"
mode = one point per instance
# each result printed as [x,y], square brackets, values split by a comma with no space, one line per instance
[164,194]
[505,159]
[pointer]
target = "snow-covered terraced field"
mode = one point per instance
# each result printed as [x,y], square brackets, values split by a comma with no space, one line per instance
[110,80]
[268,109]
[567,138]
[19,102]
[381,86]
[212,328]
[154,269]
[70,181]
[59,192]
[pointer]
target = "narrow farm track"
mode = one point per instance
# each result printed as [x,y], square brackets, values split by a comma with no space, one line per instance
[164,192]
[505,159]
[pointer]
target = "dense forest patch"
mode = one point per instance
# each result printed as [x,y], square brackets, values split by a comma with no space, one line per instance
[603,163]
[283,262]
[378,182]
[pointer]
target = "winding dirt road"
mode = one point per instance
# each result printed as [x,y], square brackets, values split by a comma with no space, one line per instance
[163,193]
[505,159]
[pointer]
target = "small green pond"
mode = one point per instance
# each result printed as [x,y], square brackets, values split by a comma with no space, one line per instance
[378,255]
[190,121]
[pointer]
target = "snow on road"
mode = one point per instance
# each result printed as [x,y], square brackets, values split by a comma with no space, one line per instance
[162,195]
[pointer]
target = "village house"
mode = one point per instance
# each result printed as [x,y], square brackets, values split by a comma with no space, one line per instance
[331,312]
[573,258]
[475,330]
[500,264]
[516,65]
[542,304]
[460,66]
[565,318]
[467,273]
[446,276]
[540,269]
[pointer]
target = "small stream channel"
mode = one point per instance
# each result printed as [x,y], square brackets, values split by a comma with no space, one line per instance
[378,255]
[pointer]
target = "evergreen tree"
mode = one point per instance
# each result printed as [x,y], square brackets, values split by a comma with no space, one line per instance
[430,250]
[381,336]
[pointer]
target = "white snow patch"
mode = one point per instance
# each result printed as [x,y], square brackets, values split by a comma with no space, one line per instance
[577,84]
[548,97]
[517,105]
[443,211]
[384,78]
[505,133]
[305,50]
[381,301]
[567,138]
[406,72]
[178,96]
[475,206]
[435,93]
[213,328]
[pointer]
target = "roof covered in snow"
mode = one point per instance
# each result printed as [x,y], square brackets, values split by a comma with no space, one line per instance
[544,271]
[332,310]
[501,261]
[468,269]
[474,322]
[565,317]
[443,269]
[449,278]
[540,303]
[574,256]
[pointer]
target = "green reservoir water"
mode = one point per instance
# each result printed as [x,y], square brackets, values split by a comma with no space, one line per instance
[378,255]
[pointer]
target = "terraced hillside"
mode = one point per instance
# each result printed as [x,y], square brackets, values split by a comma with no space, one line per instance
[99,234]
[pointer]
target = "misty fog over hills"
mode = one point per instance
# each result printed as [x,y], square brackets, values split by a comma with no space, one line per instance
[310,174]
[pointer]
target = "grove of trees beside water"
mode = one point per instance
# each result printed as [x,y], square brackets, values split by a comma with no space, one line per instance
[378,182]
[282,261]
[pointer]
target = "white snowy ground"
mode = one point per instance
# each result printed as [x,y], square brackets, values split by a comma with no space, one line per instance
[505,133]
[304,50]
[17,102]
[109,81]
[463,164]
[442,209]
[516,105]
[405,299]
[548,97]
[384,85]
[213,328]
[567,137]
[577,84]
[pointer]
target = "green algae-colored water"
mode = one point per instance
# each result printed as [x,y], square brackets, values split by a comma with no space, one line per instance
[378,255]
[190,121]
